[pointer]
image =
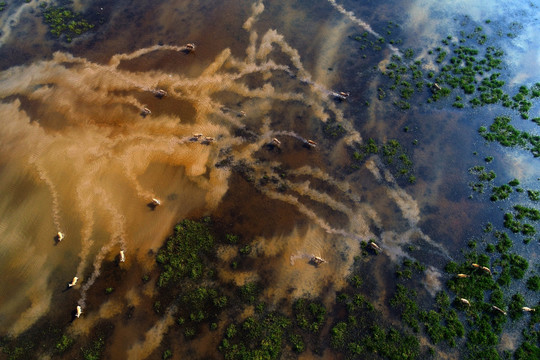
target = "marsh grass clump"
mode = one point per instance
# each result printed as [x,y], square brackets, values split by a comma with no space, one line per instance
[167,354]
[500,192]
[393,154]
[513,221]
[231,238]
[514,264]
[529,347]
[483,177]
[63,344]
[482,339]
[533,283]
[63,21]
[504,244]
[404,303]
[512,224]
[527,212]
[183,254]
[187,278]
[249,292]
[362,334]
[201,304]
[482,174]
[514,308]
[257,337]
[309,315]
[470,69]
[334,130]
[507,135]
[408,267]
[442,323]
[95,349]
[534,195]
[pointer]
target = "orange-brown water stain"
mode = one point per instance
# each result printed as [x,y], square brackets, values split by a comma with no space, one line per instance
[335,217]
[168,107]
[38,112]
[265,217]
[250,224]
[31,247]
[175,23]
[341,195]
[167,61]
[291,154]
[130,292]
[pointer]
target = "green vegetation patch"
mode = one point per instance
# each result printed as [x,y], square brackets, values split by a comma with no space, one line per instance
[63,21]
[504,244]
[363,336]
[507,135]
[533,283]
[501,192]
[513,221]
[63,344]
[260,337]
[182,256]
[514,264]
[533,195]
[334,130]
[309,315]
[393,154]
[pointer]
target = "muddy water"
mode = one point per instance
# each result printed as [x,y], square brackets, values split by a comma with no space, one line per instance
[77,156]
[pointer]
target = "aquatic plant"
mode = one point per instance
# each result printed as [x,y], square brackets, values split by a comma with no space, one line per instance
[261,337]
[504,244]
[505,134]
[95,349]
[482,174]
[333,129]
[231,239]
[443,323]
[533,283]
[245,250]
[63,344]
[297,343]
[182,255]
[500,192]
[309,315]
[514,308]
[534,195]
[249,292]
[515,225]
[516,265]
[63,21]
[363,335]
[403,301]
[527,212]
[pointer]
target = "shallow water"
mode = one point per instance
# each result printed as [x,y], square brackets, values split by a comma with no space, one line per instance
[77,156]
